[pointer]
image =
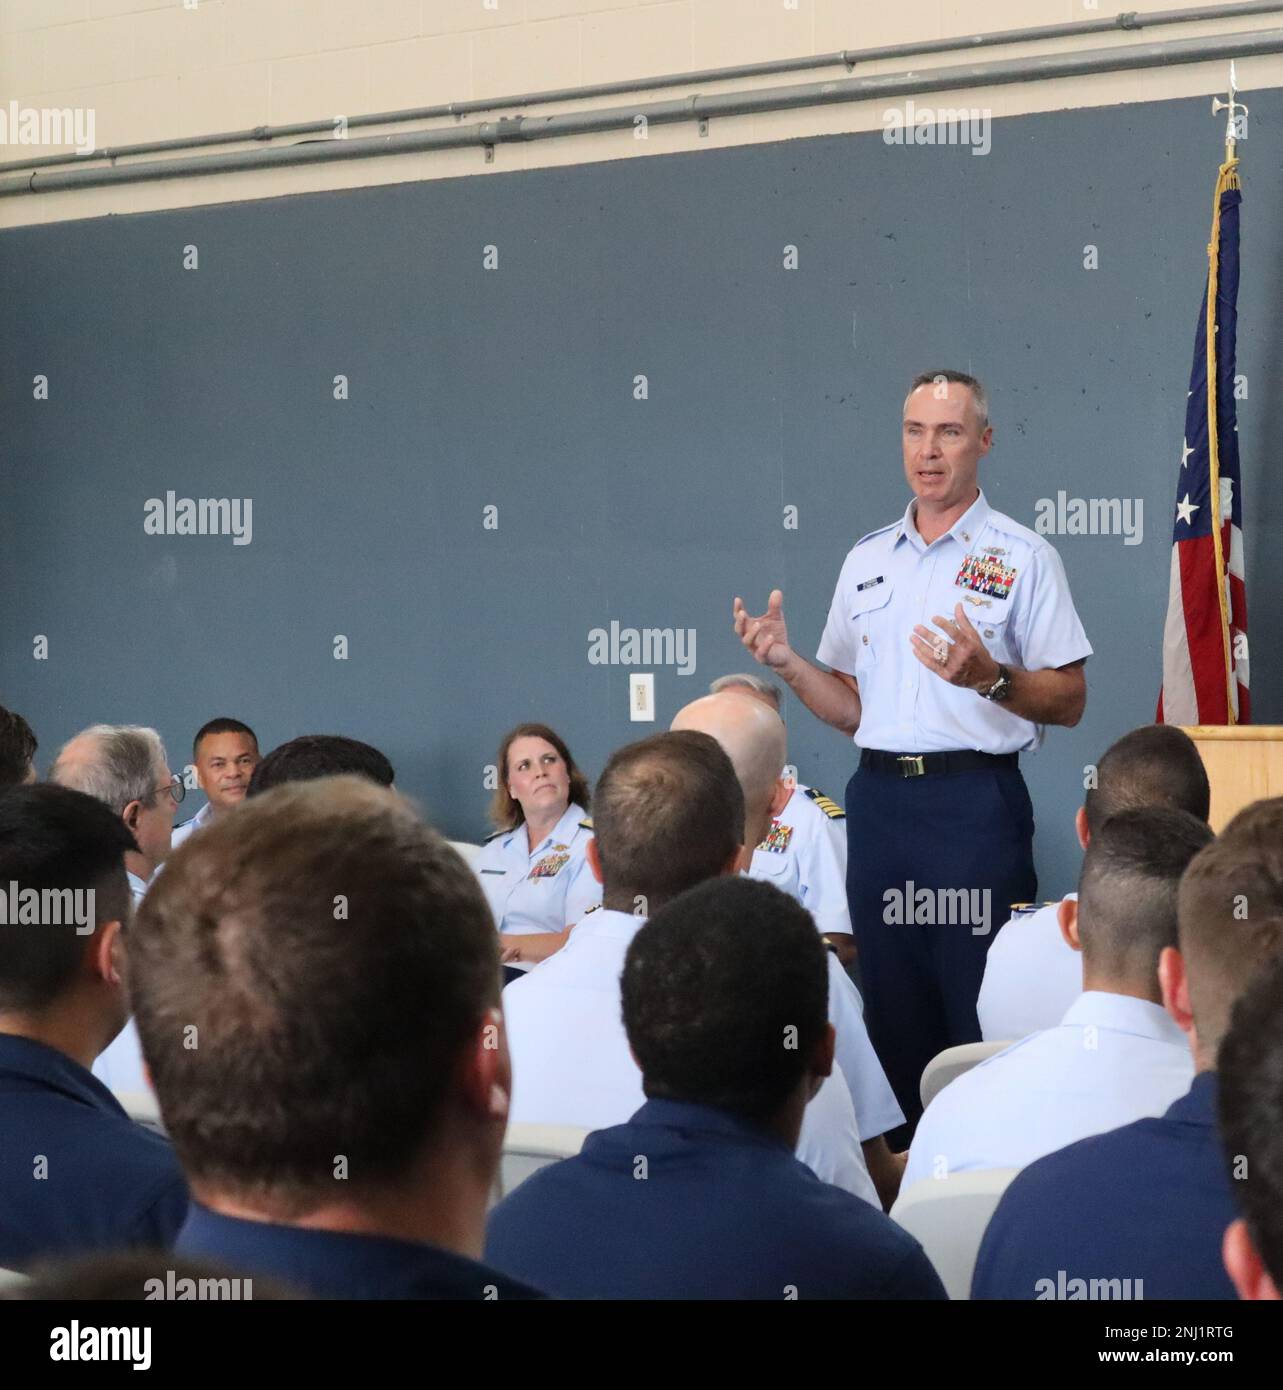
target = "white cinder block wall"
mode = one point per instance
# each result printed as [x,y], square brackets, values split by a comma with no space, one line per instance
[157,69]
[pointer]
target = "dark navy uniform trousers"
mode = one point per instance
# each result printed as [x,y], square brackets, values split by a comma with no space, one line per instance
[969,830]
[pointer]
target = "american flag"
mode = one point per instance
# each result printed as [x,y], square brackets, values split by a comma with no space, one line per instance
[1205,669]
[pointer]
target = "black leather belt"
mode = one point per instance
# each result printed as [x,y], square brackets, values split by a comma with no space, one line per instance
[931,764]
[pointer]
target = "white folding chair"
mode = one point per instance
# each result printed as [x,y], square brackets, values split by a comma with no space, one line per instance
[948,1065]
[466,850]
[527,1148]
[948,1217]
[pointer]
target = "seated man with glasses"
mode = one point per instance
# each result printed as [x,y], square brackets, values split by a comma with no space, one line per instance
[126,767]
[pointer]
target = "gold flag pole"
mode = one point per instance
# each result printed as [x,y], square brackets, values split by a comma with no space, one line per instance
[1228,178]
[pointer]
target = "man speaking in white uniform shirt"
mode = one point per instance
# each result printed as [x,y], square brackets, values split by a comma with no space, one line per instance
[1116,1056]
[951,643]
[668,813]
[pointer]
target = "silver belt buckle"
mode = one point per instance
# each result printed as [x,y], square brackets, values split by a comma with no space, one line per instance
[915,766]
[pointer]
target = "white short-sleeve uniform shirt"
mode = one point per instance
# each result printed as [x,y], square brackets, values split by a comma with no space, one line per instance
[1032,975]
[1112,1059]
[189,827]
[120,1065]
[804,855]
[571,1064]
[1012,586]
[547,888]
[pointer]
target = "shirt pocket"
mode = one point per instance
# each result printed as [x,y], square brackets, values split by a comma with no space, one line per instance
[871,622]
[994,629]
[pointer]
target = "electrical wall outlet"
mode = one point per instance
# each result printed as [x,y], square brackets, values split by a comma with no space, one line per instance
[641,696]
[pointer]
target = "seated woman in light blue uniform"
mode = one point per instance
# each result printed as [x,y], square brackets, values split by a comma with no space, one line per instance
[532,869]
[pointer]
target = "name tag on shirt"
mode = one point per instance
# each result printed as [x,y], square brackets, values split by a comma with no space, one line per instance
[869,583]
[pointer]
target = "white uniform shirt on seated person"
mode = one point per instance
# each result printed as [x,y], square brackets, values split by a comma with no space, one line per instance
[189,827]
[1112,1059]
[120,1066]
[1032,975]
[804,855]
[548,888]
[876,1108]
[571,1064]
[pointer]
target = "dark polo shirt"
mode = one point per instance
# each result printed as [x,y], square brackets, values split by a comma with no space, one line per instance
[76,1173]
[337,1264]
[1147,1203]
[687,1201]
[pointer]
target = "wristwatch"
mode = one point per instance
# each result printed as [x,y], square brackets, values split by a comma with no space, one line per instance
[1001,688]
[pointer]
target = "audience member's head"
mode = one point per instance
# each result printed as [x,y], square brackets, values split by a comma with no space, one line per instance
[336,965]
[1230,914]
[1250,1101]
[225,753]
[66,898]
[126,767]
[753,737]
[746,683]
[17,749]
[534,762]
[1126,913]
[668,813]
[311,756]
[725,998]
[1156,765]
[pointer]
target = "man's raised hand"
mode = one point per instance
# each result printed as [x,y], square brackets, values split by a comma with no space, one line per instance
[765,636]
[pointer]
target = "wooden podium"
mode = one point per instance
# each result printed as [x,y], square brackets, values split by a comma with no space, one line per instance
[1244,763]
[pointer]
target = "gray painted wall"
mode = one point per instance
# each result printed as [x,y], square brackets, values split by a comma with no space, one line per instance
[514,388]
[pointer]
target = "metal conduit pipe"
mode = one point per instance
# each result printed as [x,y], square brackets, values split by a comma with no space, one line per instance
[696,107]
[848,58]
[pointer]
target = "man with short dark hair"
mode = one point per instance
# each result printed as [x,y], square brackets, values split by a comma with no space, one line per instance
[1116,1055]
[1033,972]
[753,737]
[76,1174]
[1104,1207]
[699,1195]
[311,756]
[17,750]
[1251,1118]
[316,982]
[225,754]
[668,813]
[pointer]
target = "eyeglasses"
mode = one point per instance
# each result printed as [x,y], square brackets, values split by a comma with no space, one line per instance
[176,788]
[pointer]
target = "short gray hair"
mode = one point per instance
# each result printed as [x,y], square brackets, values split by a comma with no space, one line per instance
[978,393]
[744,679]
[130,760]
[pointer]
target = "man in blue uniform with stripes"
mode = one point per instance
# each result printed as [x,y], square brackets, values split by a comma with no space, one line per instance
[951,641]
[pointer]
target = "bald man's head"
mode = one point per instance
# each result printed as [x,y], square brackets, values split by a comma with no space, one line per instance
[752,736]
